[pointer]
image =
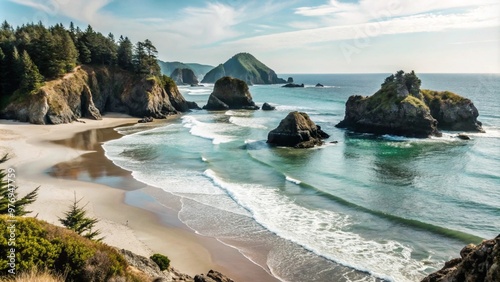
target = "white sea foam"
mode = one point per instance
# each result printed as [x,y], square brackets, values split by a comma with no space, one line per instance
[248,122]
[323,232]
[212,131]
[293,180]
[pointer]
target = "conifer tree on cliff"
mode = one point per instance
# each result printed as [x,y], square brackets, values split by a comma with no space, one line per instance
[31,79]
[9,202]
[125,53]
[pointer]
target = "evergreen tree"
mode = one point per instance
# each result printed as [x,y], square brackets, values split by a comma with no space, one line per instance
[9,202]
[3,75]
[31,79]
[76,219]
[140,62]
[125,53]
[84,53]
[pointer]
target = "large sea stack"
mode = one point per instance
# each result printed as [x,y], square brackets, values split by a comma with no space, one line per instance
[230,93]
[400,107]
[297,130]
[246,67]
[184,76]
[479,263]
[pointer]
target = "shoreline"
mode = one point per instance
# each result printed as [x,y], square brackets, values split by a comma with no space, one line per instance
[61,151]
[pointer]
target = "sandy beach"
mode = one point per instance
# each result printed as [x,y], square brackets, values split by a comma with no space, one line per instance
[67,160]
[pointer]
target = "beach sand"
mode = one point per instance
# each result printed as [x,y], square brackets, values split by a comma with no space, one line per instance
[67,160]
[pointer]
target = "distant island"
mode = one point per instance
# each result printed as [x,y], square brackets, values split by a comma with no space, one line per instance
[246,67]
[199,70]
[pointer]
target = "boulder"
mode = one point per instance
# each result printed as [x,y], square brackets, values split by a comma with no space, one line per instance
[297,130]
[293,85]
[463,136]
[289,80]
[400,107]
[319,85]
[212,276]
[230,93]
[267,107]
[476,263]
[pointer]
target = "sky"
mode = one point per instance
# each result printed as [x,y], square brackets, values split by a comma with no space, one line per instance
[294,36]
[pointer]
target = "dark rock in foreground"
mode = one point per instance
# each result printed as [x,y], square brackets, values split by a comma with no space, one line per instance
[297,130]
[401,108]
[212,276]
[267,107]
[230,93]
[293,85]
[476,263]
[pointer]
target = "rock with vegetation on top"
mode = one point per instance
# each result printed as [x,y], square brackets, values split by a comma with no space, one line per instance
[230,93]
[479,263]
[184,76]
[297,130]
[401,108]
[246,67]
[91,91]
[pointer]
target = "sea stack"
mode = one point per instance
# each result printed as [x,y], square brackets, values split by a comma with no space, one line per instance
[183,76]
[297,130]
[400,107]
[230,93]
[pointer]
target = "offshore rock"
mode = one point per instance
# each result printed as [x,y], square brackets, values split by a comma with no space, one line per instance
[230,93]
[297,130]
[293,85]
[267,107]
[401,108]
[479,263]
[184,76]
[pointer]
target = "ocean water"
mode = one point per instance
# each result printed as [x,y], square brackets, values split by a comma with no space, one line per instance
[369,208]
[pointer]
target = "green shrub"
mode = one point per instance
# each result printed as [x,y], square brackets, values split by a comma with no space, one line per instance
[40,245]
[162,261]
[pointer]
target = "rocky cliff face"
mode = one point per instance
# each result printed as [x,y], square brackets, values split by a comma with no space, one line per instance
[230,93]
[184,76]
[91,91]
[246,67]
[297,130]
[476,263]
[401,108]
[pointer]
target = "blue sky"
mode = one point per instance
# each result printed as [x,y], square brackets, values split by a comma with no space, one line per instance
[295,36]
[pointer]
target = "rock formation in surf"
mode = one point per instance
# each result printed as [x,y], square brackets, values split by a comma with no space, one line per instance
[400,107]
[230,93]
[246,67]
[479,263]
[91,91]
[297,130]
[184,76]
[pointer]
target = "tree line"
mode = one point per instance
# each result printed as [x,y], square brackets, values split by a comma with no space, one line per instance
[33,53]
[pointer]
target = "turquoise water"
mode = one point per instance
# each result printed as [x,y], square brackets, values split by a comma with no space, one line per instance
[365,209]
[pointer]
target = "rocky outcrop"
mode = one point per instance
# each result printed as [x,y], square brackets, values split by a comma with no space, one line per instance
[297,130]
[230,93]
[212,276]
[401,108]
[199,70]
[92,91]
[476,263]
[452,111]
[184,76]
[289,80]
[246,67]
[319,85]
[293,85]
[267,107]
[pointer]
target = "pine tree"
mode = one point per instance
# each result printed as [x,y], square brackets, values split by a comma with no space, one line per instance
[125,53]
[31,79]
[76,219]
[85,56]
[9,202]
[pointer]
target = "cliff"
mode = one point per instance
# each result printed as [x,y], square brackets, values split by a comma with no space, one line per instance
[184,76]
[91,91]
[400,107]
[479,263]
[246,67]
